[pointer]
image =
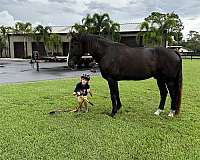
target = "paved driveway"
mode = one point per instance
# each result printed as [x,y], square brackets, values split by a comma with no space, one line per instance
[22,71]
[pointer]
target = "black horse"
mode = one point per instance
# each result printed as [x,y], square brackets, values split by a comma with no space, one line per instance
[119,62]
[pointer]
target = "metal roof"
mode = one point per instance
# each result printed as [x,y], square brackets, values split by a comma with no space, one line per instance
[130,27]
[60,29]
[126,27]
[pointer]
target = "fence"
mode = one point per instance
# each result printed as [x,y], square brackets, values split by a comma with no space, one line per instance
[190,55]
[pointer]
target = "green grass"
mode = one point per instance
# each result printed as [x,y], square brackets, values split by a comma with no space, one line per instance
[28,132]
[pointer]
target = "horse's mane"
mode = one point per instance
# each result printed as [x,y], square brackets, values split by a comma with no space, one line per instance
[96,38]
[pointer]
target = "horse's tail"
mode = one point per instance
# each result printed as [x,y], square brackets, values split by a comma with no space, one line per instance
[179,82]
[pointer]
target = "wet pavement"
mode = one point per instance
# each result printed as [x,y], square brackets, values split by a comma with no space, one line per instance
[15,71]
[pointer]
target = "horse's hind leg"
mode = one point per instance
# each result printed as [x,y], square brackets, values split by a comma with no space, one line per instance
[114,92]
[163,94]
[119,104]
[172,87]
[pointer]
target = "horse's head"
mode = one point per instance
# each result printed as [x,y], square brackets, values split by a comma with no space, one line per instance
[76,50]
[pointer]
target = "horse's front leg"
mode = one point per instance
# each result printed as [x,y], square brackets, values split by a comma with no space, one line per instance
[114,92]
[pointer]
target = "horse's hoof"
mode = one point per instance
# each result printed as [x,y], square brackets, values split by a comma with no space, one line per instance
[157,113]
[171,113]
[112,115]
[109,114]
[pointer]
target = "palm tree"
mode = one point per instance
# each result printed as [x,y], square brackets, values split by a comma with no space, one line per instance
[42,34]
[87,23]
[99,24]
[26,30]
[4,31]
[2,45]
[161,28]
[54,42]
[152,36]
[2,39]
[111,31]
[79,28]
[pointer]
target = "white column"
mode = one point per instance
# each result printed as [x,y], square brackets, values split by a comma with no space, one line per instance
[29,47]
[12,55]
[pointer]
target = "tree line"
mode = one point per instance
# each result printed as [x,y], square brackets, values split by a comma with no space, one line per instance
[157,29]
[39,34]
[193,41]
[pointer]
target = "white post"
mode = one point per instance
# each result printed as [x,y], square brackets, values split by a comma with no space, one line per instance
[68,53]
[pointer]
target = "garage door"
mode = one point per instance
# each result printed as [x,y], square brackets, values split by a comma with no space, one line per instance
[19,50]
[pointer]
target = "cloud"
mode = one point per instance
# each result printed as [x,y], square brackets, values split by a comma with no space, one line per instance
[63,1]
[105,5]
[6,19]
[67,12]
[101,7]
[191,23]
[70,10]
[21,0]
[123,12]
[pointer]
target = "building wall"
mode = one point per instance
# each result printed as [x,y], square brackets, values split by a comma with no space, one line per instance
[29,40]
[131,39]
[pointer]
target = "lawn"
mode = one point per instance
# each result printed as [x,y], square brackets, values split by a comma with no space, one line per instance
[27,131]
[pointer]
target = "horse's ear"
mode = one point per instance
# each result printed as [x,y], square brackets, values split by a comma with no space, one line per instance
[75,36]
[72,34]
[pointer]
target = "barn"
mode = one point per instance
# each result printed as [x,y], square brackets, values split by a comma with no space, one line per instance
[129,34]
[23,46]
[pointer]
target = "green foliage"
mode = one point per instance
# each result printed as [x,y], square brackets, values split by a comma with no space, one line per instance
[26,30]
[28,132]
[2,44]
[54,42]
[99,24]
[4,31]
[41,33]
[193,42]
[4,37]
[23,28]
[160,27]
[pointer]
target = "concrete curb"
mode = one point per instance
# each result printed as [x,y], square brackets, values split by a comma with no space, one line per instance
[15,59]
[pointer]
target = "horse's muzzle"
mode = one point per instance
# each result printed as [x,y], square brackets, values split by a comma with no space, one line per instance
[72,65]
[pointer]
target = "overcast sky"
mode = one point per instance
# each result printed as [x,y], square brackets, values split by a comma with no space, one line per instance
[67,12]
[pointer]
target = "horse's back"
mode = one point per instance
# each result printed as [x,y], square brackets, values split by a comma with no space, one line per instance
[130,63]
[140,63]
